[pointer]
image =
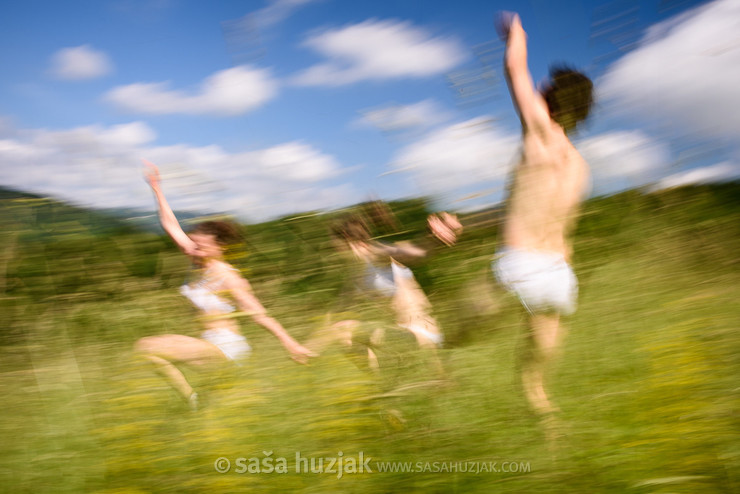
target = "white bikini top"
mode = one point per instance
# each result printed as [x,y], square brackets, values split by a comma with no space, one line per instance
[202,293]
[383,279]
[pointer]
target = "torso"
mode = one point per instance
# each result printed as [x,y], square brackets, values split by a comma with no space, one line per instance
[207,293]
[547,187]
[377,276]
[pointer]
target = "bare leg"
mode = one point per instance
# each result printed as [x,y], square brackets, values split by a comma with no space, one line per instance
[372,360]
[341,332]
[369,347]
[172,374]
[544,341]
[165,351]
[376,340]
[344,333]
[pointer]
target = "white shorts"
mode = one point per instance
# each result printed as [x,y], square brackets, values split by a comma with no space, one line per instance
[233,345]
[418,330]
[543,281]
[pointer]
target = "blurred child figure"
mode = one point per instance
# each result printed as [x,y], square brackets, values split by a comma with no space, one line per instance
[385,277]
[548,184]
[217,286]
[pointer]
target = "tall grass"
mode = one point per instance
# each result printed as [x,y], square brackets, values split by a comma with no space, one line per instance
[647,378]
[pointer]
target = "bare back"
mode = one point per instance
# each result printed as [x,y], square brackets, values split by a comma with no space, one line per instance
[550,179]
[546,189]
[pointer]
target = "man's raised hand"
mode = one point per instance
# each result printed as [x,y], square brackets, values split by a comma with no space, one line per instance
[503,22]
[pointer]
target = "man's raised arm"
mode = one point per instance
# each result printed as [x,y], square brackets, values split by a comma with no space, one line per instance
[530,105]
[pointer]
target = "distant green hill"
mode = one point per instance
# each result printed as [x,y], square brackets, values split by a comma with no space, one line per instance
[47,215]
[38,210]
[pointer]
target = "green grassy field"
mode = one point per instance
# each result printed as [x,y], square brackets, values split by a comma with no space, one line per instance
[647,380]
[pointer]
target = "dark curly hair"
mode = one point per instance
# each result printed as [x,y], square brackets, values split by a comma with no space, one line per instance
[569,96]
[351,228]
[225,232]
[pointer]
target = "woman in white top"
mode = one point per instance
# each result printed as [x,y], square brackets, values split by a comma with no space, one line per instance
[221,340]
[386,275]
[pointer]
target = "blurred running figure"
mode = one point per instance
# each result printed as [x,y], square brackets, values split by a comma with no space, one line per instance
[548,184]
[385,277]
[212,293]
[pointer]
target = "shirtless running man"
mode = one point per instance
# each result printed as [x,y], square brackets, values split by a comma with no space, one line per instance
[548,184]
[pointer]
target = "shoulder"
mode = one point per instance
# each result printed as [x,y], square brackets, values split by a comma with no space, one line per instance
[225,272]
[547,130]
[221,267]
[546,144]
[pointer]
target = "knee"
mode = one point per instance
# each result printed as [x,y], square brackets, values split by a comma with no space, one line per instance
[344,331]
[377,337]
[547,347]
[146,346]
[551,345]
[426,343]
[546,333]
[347,324]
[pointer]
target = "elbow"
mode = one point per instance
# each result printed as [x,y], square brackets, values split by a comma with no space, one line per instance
[262,319]
[514,64]
[509,67]
[417,255]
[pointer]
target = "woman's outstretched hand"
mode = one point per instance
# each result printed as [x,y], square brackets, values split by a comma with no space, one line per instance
[151,173]
[300,353]
[445,226]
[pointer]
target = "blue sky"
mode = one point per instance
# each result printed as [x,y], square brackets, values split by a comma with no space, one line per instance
[267,108]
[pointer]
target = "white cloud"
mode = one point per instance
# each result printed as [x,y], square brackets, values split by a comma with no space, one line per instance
[470,161]
[94,140]
[127,136]
[720,172]
[18,154]
[278,10]
[81,62]
[259,184]
[423,114]
[100,167]
[378,50]
[296,161]
[245,35]
[229,92]
[685,73]
[468,154]
[624,159]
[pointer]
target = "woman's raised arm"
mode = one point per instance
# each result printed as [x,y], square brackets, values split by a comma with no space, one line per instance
[166,216]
